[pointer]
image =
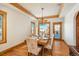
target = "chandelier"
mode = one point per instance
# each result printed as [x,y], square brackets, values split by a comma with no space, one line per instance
[42,15]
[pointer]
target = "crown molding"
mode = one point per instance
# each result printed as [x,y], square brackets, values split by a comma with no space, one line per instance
[21,8]
[46,17]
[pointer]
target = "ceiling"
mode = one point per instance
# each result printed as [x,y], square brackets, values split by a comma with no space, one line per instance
[67,8]
[35,8]
[50,9]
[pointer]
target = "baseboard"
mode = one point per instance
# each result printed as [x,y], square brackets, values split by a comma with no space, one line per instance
[65,43]
[7,50]
[59,39]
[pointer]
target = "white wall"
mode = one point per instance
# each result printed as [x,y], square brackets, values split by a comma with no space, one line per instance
[18,27]
[70,26]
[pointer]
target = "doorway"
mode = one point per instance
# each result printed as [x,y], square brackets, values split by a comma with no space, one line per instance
[57,30]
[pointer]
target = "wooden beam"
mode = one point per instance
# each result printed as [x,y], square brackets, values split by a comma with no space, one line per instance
[46,17]
[61,8]
[18,6]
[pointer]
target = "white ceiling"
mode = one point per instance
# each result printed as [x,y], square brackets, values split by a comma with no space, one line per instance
[35,8]
[67,8]
[49,8]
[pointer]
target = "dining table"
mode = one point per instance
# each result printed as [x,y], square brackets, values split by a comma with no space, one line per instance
[42,43]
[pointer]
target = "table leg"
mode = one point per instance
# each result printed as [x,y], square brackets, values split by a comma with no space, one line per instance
[43,51]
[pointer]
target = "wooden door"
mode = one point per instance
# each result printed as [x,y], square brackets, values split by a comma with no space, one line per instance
[77,30]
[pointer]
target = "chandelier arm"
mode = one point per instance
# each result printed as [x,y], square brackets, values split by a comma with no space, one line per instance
[42,14]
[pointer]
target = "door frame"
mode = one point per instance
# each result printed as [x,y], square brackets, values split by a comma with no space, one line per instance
[77,44]
[60,28]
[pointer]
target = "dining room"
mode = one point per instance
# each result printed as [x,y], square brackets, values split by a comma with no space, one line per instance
[35,29]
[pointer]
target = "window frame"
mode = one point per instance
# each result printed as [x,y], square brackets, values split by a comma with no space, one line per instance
[4,26]
[34,28]
[43,23]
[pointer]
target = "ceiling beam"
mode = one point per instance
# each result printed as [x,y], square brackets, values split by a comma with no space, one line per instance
[46,17]
[21,8]
[61,9]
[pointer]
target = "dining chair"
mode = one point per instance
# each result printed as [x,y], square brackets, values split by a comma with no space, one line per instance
[32,47]
[49,45]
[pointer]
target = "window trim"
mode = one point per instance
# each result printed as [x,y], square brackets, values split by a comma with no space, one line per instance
[4,26]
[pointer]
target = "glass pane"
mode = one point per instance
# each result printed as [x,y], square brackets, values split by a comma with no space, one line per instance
[33,28]
[44,30]
[57,27]
[0,27]
[57,31]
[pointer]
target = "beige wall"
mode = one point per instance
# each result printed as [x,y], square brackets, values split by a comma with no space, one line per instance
[70,26]
[18,27]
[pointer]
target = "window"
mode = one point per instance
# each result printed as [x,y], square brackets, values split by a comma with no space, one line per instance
[33,28]
[44,30]
[3,27]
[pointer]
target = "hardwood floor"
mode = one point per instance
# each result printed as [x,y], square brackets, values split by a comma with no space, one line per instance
[21,50]
[59,49]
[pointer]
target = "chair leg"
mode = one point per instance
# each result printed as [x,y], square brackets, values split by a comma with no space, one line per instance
[28,54]
[51,52]
[42,51]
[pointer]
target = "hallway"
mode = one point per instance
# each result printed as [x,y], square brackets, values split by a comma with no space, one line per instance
[59,49]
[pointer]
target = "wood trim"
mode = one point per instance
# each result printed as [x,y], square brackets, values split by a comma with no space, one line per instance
[60,28]
[46,17]
[61,5]
[7,50]
[77,31]
[65,42]
[4,27]
[21,8]
[34,28]
[18,6]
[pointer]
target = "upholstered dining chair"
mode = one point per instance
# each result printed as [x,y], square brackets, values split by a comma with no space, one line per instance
[49,45]
[32,47]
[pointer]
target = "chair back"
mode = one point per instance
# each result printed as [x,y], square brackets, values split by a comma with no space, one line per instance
[31,45]
[49,44]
